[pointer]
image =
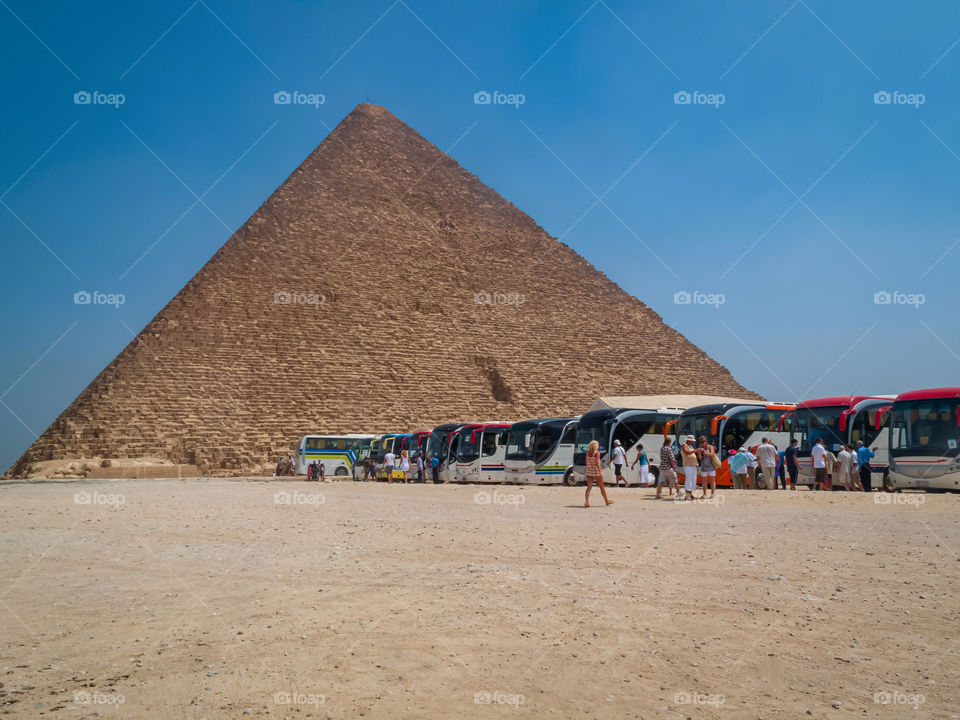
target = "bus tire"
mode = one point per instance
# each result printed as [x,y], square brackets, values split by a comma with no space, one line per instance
[340,471]
[888,482]
[569,479]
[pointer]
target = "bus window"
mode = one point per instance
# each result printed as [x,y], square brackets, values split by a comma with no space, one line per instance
[489,444]
[569,435]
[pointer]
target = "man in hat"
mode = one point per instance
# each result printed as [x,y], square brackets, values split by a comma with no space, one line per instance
[618,459]
[690,465]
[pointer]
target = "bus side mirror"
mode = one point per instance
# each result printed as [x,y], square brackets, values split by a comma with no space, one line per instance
[843,418]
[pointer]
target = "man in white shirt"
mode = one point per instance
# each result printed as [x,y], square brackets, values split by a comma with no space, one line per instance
[619,459]
[751,470]
[819,456]
[767,455]
[389,460]
[844,460]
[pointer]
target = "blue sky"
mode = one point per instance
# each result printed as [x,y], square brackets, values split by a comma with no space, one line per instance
[784,186]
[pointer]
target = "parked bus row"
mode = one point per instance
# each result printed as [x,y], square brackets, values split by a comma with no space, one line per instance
[915,438]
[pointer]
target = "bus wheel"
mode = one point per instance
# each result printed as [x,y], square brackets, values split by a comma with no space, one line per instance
[340,471]
[888,482]
[569,479]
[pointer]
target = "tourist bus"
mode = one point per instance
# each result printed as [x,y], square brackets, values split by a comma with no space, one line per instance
[414,444]
[631,427]
[339,453]
[841,420]
[732,425]
[389,442]
[438,446]
[924,430]
[480,453]
[540,451]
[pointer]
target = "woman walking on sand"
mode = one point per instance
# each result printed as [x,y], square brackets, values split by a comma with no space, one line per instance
[595,473]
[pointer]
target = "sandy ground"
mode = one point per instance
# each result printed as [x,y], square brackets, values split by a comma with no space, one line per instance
[223,599]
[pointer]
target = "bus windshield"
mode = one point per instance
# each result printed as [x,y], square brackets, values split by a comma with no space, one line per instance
[810,424]
[697,425]
[925,427]
[593,426]
[520,441]
[749,428]
[469,449]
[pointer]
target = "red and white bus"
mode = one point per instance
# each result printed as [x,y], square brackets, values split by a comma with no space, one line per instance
[841,420]
[924,438]
[480,452]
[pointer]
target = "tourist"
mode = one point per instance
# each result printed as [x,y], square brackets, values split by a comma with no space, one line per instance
[819,456]
[690,463]
[864,456]
[595,473]
[404,466]
[668,468]
[619,459]
[793,467]
[767,456]
[831,461]
[389,460]
[644,466]
[321,471]
[844,463]
[752,469]
[435,466]
[854,470]
[738,468]
[708,472]
[420,468]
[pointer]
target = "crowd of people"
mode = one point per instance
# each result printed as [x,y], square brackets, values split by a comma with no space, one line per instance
[698,459]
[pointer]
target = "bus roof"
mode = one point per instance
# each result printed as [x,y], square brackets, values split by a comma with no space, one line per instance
[544,421]
[844,400]
[929,394]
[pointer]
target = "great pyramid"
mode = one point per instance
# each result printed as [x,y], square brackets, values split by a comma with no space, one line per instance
[380,288]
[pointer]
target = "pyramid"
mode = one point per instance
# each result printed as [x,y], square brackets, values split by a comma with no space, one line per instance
[380,288]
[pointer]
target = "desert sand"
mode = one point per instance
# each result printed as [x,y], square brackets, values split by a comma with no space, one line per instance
[257,598]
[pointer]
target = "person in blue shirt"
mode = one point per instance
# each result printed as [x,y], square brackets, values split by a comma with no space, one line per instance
[738,467]
[435,465]
[793,467]
[864,455]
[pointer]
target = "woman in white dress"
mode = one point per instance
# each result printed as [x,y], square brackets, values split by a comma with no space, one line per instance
[404,464]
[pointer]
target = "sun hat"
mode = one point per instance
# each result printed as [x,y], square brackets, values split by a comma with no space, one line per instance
[689,438]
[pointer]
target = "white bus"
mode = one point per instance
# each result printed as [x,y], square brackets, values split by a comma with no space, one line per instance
[339,453]
[631,427]
[540,451]
[480,453]
[924,440]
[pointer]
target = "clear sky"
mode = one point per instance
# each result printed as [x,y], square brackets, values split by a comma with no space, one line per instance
[786,187]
